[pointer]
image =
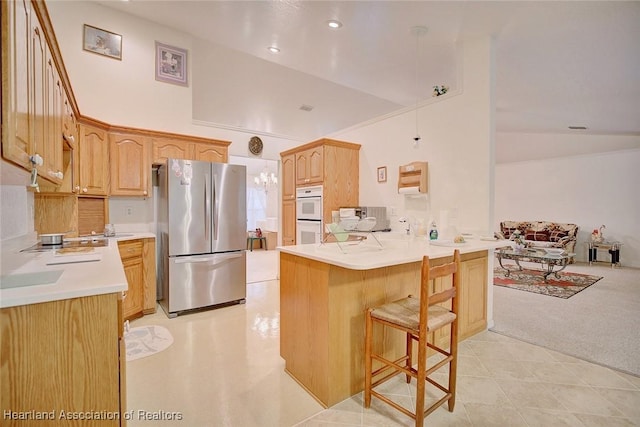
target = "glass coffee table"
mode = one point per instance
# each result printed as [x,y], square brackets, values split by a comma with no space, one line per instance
[555,263]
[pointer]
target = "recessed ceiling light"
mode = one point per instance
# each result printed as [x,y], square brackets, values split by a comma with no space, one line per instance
[332,23]
[273,49]
[578,127]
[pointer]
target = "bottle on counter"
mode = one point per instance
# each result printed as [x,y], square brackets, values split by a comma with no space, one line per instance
[433,231]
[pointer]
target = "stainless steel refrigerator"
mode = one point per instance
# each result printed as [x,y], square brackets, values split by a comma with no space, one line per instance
[202,225]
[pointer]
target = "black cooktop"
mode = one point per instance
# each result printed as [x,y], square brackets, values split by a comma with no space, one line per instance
[93,243]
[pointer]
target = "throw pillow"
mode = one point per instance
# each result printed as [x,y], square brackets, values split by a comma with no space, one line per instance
[537,236]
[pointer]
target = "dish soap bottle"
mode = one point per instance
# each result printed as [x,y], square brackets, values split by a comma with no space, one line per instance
[433,232]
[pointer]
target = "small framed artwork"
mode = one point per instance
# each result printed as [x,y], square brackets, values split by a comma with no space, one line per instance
[382,174]
[171,64]
[102,42]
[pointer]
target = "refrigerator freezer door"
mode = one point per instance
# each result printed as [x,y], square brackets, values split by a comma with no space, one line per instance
[229,207]
[205,280]
[189,204]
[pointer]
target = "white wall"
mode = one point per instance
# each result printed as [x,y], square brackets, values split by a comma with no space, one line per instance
[588,190]
[457,142]
[126,93]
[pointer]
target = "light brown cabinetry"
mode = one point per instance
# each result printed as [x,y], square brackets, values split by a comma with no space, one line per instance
[333,164]
[189,148]
[309,166]
[473,307]
[288,200]
[288,222]
[130,165]
[65,355]
[133,298]
[322,318]
[138,260]
[17,101]
[93,157]
[78,216]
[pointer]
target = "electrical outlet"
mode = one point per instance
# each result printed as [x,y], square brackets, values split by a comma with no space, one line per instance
[392,210]
[128,211]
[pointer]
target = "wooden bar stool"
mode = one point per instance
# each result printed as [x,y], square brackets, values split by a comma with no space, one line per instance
[418,318]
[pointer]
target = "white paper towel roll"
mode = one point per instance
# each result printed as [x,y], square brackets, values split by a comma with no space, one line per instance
[409,190]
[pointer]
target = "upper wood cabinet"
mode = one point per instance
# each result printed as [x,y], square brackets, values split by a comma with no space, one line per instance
[130,165]
[309,166]
[32,93]
[288,177]
[190,148]
[94,160]
[17,101]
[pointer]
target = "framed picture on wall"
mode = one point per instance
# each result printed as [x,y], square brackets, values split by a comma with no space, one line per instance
[171,64]
[382,174]
[102,42]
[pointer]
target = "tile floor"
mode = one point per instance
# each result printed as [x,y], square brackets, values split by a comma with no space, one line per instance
[224,369]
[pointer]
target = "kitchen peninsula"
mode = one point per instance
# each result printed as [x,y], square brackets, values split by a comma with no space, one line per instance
[61,328]
[325,290]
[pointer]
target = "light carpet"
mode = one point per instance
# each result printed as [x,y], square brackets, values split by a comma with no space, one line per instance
[565,286]
[599,324]
[145,341]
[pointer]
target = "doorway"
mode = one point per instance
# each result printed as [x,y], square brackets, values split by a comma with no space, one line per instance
[263,199]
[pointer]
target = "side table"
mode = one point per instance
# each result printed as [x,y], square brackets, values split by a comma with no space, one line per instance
[262,241]
[612,247]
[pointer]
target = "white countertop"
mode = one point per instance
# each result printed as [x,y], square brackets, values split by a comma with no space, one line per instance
[75,280]
[394,249]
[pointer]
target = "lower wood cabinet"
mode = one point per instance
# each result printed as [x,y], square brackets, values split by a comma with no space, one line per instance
[138,260]
[63,359]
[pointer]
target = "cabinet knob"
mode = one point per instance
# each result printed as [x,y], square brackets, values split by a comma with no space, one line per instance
[306,180]
[145,192]
[58,174]
[76,188]
[84,190]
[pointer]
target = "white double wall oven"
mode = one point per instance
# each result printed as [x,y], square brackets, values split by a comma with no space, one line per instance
[309,215]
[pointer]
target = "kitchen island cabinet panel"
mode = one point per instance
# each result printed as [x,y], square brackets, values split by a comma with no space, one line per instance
[62,356]
[322,316]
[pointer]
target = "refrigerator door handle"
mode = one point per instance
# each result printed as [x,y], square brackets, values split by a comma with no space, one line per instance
[207,209]
[215,207]
[200,258]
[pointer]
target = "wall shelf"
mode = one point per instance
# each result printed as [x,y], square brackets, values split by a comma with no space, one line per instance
[412,178]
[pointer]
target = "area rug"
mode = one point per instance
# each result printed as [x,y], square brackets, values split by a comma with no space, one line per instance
[145,341]
[565,287]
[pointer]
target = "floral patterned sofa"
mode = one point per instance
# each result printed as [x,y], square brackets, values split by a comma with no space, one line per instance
[542,233]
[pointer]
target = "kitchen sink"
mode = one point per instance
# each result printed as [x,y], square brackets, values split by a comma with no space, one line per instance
[30,279]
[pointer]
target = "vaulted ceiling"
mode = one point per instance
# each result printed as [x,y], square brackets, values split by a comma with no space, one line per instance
[558,64]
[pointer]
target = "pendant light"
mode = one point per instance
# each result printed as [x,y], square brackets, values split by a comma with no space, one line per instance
[418,31]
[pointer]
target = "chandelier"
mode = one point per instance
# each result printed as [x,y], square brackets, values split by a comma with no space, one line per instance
[266,179]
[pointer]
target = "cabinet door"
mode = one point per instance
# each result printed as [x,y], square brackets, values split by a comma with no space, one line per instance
[93,159]
[131,255]
[164,149]
[38,54]
[53,141]
[288,222]
[473,300]
[130,169]
[316,165]
[309,166]
[210,152]
[17,143]
[288,177]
